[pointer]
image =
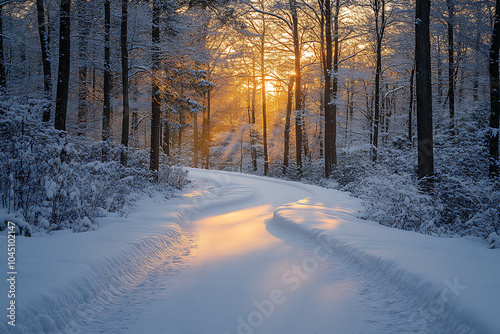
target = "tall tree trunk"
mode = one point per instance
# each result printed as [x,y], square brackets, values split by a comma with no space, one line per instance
[479,37]
[494,169]
[335,81]
[64,66]
[475,86]
[321,137]
[135,124]
[298,89]
[203,143]
[305,141]
[166,137]
[125,81]
[181,130]
[410,109]
[253,144]
[84,27]
[3,72]
[439,74]
[451,61]
[155,89]
[328,103]
[424,94]
[106,112]
[207,135]
[195,139]
[388,104]
[263,82]
[379,9]
[44,45]
[286,136]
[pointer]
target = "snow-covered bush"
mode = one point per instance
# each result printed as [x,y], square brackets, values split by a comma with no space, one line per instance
[395,200]
[464,200]
[52,181]
[174,176]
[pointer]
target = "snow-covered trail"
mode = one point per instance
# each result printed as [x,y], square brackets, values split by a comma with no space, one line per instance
[239,277]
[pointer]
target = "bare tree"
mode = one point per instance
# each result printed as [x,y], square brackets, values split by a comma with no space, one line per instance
[155,89]
[106,119]
[84,27]
[263,83]
[3,74]
[298,89]
[329,105]
[46,68]
[378,7]
[286,140]
[64,65]
[125,81]
[494,95]
[424,94]
[450,4]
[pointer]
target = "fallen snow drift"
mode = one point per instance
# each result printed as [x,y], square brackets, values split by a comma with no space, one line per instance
[66,277]
[453,281]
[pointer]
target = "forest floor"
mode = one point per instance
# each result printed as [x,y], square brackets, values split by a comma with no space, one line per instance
[236,253]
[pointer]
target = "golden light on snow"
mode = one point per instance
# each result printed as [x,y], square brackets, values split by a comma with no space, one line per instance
[235,233]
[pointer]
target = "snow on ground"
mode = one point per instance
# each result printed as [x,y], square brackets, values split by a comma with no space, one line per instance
[60,273]
[456,280]
[245,254]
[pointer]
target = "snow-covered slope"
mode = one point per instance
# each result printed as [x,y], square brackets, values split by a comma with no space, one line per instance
[453,280]
[66,275]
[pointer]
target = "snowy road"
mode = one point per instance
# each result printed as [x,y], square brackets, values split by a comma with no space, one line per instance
[238,275]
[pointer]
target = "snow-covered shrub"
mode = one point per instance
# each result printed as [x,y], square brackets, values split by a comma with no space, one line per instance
[174,176]
[21,227]
[464,200]
[52,181]
[395,200]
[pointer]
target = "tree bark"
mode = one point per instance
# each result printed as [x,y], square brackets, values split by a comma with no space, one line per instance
[322,25]
[335,81]
[494,169]
[410,109]
[3,72]
[439,73]
[451,61]
[155,89]
[207,135]
[424,94]
[44,45]
[286,137]
[125,81]
[298,91]
[166,137]
[195,139]
[263,80]
[64,66]
[84,27]
[328,103]
[253,147]
[106,112]
[379,7]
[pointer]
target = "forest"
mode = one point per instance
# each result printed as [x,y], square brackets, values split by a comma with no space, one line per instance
[395,101]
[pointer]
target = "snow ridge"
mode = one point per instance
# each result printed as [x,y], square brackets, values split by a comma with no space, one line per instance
[82,299]
[433,307]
